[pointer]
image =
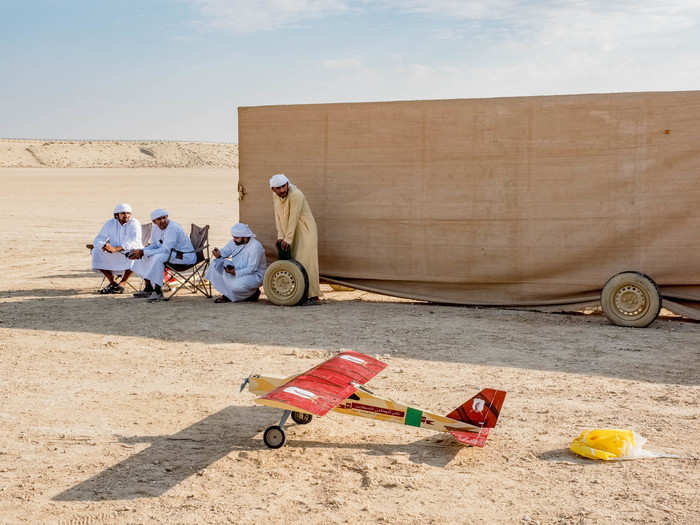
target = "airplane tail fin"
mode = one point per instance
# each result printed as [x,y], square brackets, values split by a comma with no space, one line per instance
[482,411]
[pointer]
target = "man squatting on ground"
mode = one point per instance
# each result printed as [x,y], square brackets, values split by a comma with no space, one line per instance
[238,278]
[118,235]
[150,261]
[296,229]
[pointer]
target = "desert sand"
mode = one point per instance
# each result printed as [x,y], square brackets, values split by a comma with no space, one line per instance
[118,411]
[24,153]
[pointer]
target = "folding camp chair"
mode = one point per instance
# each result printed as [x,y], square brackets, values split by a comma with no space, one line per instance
[145,239]
[191,276]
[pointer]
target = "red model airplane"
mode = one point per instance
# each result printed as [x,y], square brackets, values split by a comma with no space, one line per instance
[336,384]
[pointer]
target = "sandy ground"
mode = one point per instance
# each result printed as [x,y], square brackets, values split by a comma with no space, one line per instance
[118,411]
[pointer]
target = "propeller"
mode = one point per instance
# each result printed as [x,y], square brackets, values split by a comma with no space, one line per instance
[245,382]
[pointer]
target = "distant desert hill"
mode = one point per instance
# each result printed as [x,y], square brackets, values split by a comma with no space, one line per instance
[17,153]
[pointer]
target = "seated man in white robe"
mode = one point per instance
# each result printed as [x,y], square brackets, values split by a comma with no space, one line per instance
[239,267]
[118,235]
[169,243]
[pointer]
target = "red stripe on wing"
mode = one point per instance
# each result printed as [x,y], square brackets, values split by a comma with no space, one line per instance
[323,387]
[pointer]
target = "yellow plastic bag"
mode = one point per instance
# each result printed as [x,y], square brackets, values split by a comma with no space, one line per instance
[612,444]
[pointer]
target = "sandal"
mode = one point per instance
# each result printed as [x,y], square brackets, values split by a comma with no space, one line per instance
[222,299]
[155,297]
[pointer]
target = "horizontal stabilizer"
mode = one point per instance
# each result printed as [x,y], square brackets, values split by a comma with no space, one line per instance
[476,439]
[482,410]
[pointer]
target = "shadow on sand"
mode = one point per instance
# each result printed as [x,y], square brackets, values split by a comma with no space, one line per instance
[169,460]
[482,336]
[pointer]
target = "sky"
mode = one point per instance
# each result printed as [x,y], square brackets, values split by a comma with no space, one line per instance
[178,69]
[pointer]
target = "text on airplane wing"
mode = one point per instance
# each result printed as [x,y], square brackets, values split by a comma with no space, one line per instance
[323,387]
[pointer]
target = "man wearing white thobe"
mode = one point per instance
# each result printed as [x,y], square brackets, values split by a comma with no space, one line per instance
[118,235]
[239,267]
[169,243]
[296,230]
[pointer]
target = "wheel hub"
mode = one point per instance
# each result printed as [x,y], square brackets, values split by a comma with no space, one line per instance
[631,301]
[274,437]
[283,283]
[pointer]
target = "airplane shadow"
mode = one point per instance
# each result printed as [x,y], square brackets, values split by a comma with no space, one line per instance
[434,451]
[171,459]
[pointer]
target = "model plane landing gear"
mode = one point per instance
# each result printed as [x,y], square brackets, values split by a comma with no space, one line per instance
[301,418]
[274,436]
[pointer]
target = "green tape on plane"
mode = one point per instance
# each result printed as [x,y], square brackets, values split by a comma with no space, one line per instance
[413,417]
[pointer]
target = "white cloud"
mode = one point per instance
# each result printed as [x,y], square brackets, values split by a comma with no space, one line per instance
[503,48]
[342,63]
[246,16]
[623,18]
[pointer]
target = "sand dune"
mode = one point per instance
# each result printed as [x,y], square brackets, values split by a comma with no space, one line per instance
[115,154]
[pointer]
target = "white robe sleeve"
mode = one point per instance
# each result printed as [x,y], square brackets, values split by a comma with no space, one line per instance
[227,251]
[253,259]
[104,235]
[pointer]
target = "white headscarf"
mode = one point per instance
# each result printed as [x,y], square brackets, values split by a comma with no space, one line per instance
[278,180]
[160,212]
[241,230]
[122,208]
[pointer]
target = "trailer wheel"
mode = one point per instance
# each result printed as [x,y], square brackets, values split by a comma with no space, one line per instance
[274,437]
[631,299]
[286,283]
[301,418]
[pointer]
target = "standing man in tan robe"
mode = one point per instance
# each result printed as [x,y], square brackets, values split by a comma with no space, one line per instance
[296,229]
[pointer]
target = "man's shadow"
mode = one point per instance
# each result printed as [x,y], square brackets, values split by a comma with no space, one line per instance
[171,459]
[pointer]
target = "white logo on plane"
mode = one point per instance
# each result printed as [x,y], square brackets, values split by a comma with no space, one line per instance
[478,405]
[296,391]
[353,359]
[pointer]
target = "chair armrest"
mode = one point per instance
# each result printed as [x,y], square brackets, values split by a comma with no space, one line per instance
[205,247]
[173,250]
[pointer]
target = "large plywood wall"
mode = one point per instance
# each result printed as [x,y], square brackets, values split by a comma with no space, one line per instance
[522,201]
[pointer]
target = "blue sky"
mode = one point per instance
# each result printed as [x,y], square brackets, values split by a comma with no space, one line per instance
[177,69]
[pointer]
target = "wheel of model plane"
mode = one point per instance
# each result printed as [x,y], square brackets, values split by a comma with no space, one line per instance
[301,418]
[631,299]
[286,283]
[274,437]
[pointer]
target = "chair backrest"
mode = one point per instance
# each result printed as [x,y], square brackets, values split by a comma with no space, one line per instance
[146,233]
[199,236]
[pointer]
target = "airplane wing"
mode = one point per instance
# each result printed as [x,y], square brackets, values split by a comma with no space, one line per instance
[323,387]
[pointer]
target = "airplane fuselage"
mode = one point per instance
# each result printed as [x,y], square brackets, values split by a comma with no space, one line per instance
[364,404]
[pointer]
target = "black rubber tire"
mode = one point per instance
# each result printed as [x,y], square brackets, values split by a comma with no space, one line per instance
[274,436]
[301,418]
[631,299]
[286,283]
